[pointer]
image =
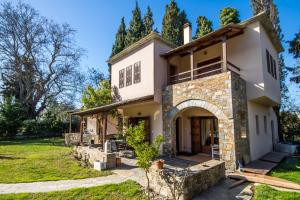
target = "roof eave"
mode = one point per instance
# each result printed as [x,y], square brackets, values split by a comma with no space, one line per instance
[152,36]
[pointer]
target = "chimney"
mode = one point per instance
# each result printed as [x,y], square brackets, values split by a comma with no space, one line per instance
[187,33]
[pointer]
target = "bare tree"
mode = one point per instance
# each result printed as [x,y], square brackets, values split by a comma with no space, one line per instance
[38,58]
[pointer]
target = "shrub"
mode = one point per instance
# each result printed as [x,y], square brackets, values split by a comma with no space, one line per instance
[11,117]
[145,152]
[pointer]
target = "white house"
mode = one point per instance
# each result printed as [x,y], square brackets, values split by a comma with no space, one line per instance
[220,90]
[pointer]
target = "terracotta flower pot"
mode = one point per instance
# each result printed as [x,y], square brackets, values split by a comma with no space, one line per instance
[159,164]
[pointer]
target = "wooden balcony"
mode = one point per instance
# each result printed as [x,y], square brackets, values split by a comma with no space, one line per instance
[203,71]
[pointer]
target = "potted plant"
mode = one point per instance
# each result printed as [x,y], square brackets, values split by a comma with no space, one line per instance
[159,164]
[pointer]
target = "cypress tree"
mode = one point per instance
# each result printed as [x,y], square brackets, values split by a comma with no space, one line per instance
[229,15]
[119,44]
[172,25]
[259,6]
[148,21]
[204,26]
[136,27]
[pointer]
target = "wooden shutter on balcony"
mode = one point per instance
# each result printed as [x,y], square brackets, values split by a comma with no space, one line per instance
[137,72]
[121,78]
[129,75]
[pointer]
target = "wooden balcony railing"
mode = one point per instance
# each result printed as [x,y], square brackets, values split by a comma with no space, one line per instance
[203,71]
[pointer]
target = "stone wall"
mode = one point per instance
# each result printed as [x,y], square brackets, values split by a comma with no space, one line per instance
[241,125]
[200,178]
[94,154]
[217,95]
[74,138]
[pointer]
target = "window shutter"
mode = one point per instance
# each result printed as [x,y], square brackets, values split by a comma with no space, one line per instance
[129,75]
[121,78]
[268,61]
[137,72]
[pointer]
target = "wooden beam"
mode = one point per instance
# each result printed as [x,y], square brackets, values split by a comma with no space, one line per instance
[81,129]
[168,71]
[70,123]
[192,64]
[265,179]
[105,128]
[224,54]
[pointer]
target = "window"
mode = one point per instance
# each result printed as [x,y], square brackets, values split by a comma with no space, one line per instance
[137,72]
[257,124]
[265,124]
[268,61]
[271,64]
[129,75]
[121,78]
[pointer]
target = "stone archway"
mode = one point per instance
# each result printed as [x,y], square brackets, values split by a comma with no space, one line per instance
[226,129]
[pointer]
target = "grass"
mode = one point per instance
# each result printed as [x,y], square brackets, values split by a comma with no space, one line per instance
[122,191]
[263,192]
[40,160]
[289,169]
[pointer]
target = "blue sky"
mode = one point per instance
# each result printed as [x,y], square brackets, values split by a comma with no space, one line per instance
[96,21]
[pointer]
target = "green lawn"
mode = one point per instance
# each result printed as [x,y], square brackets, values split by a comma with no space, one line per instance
[122,191]
[40,160]
[263,192]
[289,169]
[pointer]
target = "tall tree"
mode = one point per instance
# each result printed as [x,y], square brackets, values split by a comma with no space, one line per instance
[271,9]
[39,59]
[172,25]
[295,50]
[119,44]
[148,21]
[204,26]
[136,27]
[229,15]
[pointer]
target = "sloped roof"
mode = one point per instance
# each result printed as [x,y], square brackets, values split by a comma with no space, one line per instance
[111,106]
[153,35]
[232,30]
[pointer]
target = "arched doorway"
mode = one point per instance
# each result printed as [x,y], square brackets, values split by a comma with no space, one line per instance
[196,130]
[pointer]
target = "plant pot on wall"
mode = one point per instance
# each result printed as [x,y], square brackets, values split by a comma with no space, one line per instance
[159,164]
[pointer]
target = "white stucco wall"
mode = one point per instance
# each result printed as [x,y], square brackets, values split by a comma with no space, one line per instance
[160,69]
[111,125]
[152,110]
[91,125]
[261,143]
[144,88]
[272,86]
[247,51]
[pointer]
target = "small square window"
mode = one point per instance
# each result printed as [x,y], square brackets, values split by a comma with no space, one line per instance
[121,78]
[137,72]
[129,75]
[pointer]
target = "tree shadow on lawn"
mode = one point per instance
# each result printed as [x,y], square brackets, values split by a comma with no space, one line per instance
[9,157]
[55,141]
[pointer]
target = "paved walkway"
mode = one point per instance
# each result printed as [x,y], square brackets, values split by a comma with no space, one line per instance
[127,172]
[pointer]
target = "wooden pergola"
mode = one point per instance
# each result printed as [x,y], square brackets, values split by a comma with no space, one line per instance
[101,114]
